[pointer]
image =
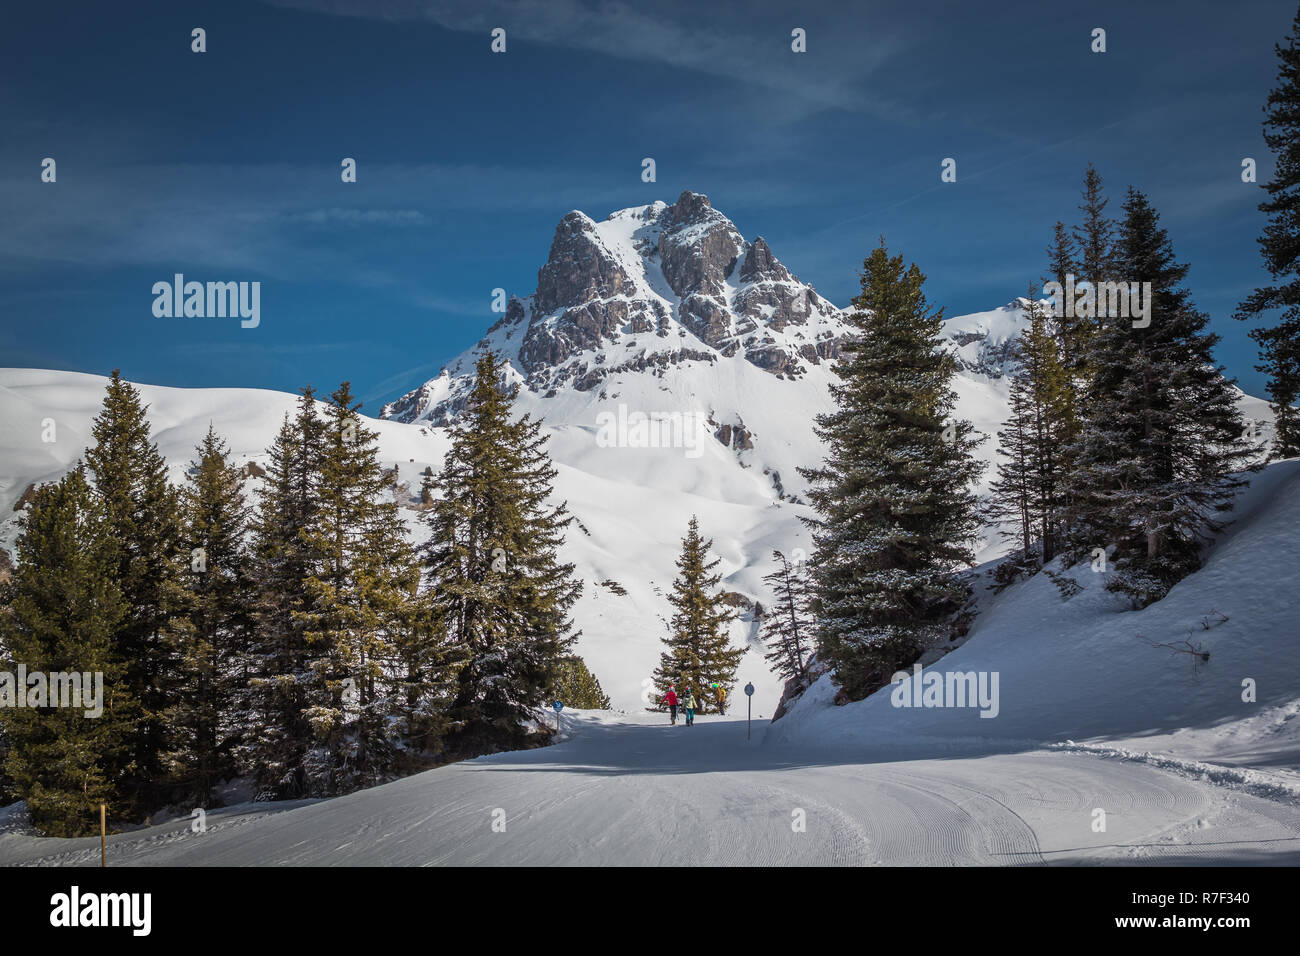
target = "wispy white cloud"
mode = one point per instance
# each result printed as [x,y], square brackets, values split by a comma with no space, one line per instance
[747,43]
[257,218]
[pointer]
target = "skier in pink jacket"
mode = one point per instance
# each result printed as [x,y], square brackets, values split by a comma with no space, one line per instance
[670,699]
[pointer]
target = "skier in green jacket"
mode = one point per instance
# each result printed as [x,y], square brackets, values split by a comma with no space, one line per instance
[689,703]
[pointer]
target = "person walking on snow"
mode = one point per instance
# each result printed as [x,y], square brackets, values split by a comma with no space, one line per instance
[670,699]
[722,699]
[689,704]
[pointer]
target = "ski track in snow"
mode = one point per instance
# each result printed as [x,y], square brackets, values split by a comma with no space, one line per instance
[632,790]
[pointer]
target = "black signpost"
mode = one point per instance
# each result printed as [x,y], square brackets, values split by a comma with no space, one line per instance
[749,694]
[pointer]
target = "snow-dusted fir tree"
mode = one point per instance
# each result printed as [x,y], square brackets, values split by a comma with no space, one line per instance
[1094,238]
[698,649]
[358,590]
[495,581]
[788,625]
[1161,441]
[1071,330]
[1028,488]
[64,611]
[278,733]
[142,511]
[895,510]
[212,637]
[1011,494]
[1280,245]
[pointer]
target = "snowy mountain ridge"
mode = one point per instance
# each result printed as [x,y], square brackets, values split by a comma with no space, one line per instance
[657,285]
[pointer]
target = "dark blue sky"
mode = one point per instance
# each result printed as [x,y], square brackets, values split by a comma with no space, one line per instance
[225,165]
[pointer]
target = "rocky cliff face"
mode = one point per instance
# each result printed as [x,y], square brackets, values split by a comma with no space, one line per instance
[648,287]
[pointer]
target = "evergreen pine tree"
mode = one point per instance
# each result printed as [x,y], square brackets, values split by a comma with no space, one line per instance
[788,626]
[143,514]
[426,486]
[212,638]
[1162,437]
[65,613]
[1011,494]
[358,590]
[278,733]
[895,508]
[1030,484]
[1280,246]
[699,651]
[1072,332]
[494,576]
[1094,240]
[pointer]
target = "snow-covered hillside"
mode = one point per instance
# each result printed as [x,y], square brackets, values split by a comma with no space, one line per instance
[658,310]
[1085,672]
[632,509]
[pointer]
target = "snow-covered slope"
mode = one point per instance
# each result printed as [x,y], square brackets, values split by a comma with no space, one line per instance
[629,790]
[632,511]
[1086,671]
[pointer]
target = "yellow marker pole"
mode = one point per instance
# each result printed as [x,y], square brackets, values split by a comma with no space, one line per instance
[103,838]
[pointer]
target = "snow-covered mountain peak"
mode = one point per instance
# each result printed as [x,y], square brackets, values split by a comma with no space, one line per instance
[645,288]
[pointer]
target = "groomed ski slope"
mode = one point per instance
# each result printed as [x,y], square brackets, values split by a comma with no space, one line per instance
[635,791]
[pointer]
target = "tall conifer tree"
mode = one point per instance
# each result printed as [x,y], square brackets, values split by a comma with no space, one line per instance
[1161,442]
[143,514]
[1031,477]
[358,590]
[699,651]
[212,639]
[65,613]
[896,514]
[1280,246]
[279,734]
[492,567]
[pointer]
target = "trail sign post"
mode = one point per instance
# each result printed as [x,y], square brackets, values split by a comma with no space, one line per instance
[749,695]
[559,706]
[103,838]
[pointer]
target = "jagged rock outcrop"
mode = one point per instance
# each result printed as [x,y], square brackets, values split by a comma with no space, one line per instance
[647,287]
[664,285]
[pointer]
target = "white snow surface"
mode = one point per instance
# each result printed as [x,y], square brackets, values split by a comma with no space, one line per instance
[627,790]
